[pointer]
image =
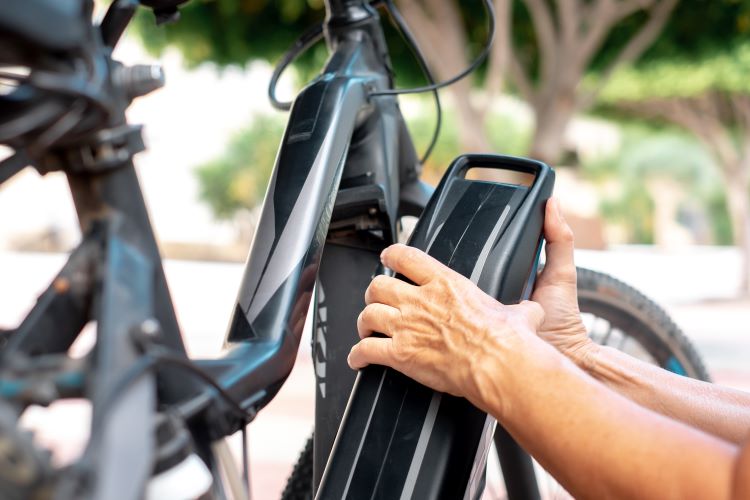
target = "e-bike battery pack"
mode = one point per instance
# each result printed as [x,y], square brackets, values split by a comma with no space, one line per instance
[399,439]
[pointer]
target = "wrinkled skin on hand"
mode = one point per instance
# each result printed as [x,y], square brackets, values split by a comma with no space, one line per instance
[441,329]
[556,290]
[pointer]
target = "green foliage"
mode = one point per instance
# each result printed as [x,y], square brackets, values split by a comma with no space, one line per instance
[725,71]
[231,32]
[696,30]
[701,48]
[633,210]
[699,29]
[648,152]
[236,32]
[507,135]
[721,224]
[704,47]
[237,179]
[704,51]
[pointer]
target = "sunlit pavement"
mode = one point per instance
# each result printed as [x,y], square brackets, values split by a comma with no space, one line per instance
[694,285]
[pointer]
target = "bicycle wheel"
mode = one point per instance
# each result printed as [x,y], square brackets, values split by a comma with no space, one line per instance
[615,314]
[618,315]
[299,484]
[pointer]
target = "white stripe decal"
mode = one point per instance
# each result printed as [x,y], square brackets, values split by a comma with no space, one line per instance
[419,452]
[294,241]
[434,235]
[480,459]
[479,265]
[362,441]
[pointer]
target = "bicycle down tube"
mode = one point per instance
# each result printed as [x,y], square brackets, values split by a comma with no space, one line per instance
[321,160]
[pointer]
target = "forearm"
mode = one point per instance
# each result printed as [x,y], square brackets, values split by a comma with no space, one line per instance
[595,442]
[720,411]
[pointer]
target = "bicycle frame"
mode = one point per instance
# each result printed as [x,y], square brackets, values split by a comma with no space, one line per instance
[345,172]
[339,158]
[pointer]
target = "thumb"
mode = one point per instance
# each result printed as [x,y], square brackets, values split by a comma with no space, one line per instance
[558,249]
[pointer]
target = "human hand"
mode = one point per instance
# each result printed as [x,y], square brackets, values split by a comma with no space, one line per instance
[556,290]
[441,330]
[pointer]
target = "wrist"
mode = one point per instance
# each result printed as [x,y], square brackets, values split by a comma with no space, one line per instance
[503,369]
[584,354]
[573,341]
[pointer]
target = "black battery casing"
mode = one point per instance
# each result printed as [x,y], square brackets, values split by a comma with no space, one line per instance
[399,439]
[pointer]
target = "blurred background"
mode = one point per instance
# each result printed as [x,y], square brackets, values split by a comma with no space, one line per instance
[642,106]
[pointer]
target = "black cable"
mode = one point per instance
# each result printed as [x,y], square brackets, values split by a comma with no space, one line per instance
[73,86]
[309,38]
[315,34]
[403,28]
[306,40]
[148,363]
[474,65]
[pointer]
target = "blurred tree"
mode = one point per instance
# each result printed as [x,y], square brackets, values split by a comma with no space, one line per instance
[237,179]
[556,44]
[653,164]
[234,32]
[708,95]
[444,38]
[553,45]
[571,36]
[546,47]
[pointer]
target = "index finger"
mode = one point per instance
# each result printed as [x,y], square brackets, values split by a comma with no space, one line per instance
[412,263]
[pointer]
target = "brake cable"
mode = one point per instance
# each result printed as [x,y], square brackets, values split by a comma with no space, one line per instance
[315,34]
[309,38]
[403,28]
[472,67]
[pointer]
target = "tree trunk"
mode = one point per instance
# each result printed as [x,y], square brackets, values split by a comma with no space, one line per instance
[738,205]
[472,136]
[437,26]
[552,120]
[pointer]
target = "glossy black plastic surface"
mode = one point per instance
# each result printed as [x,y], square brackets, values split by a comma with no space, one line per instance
[399,439]
[272,303]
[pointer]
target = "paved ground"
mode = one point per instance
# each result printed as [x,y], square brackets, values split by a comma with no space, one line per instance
[694,285]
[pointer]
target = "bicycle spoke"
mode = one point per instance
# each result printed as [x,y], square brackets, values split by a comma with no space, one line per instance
[607,335]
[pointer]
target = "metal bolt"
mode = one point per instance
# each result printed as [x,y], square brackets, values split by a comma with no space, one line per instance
[146,334]
[150,327]
[140,79]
